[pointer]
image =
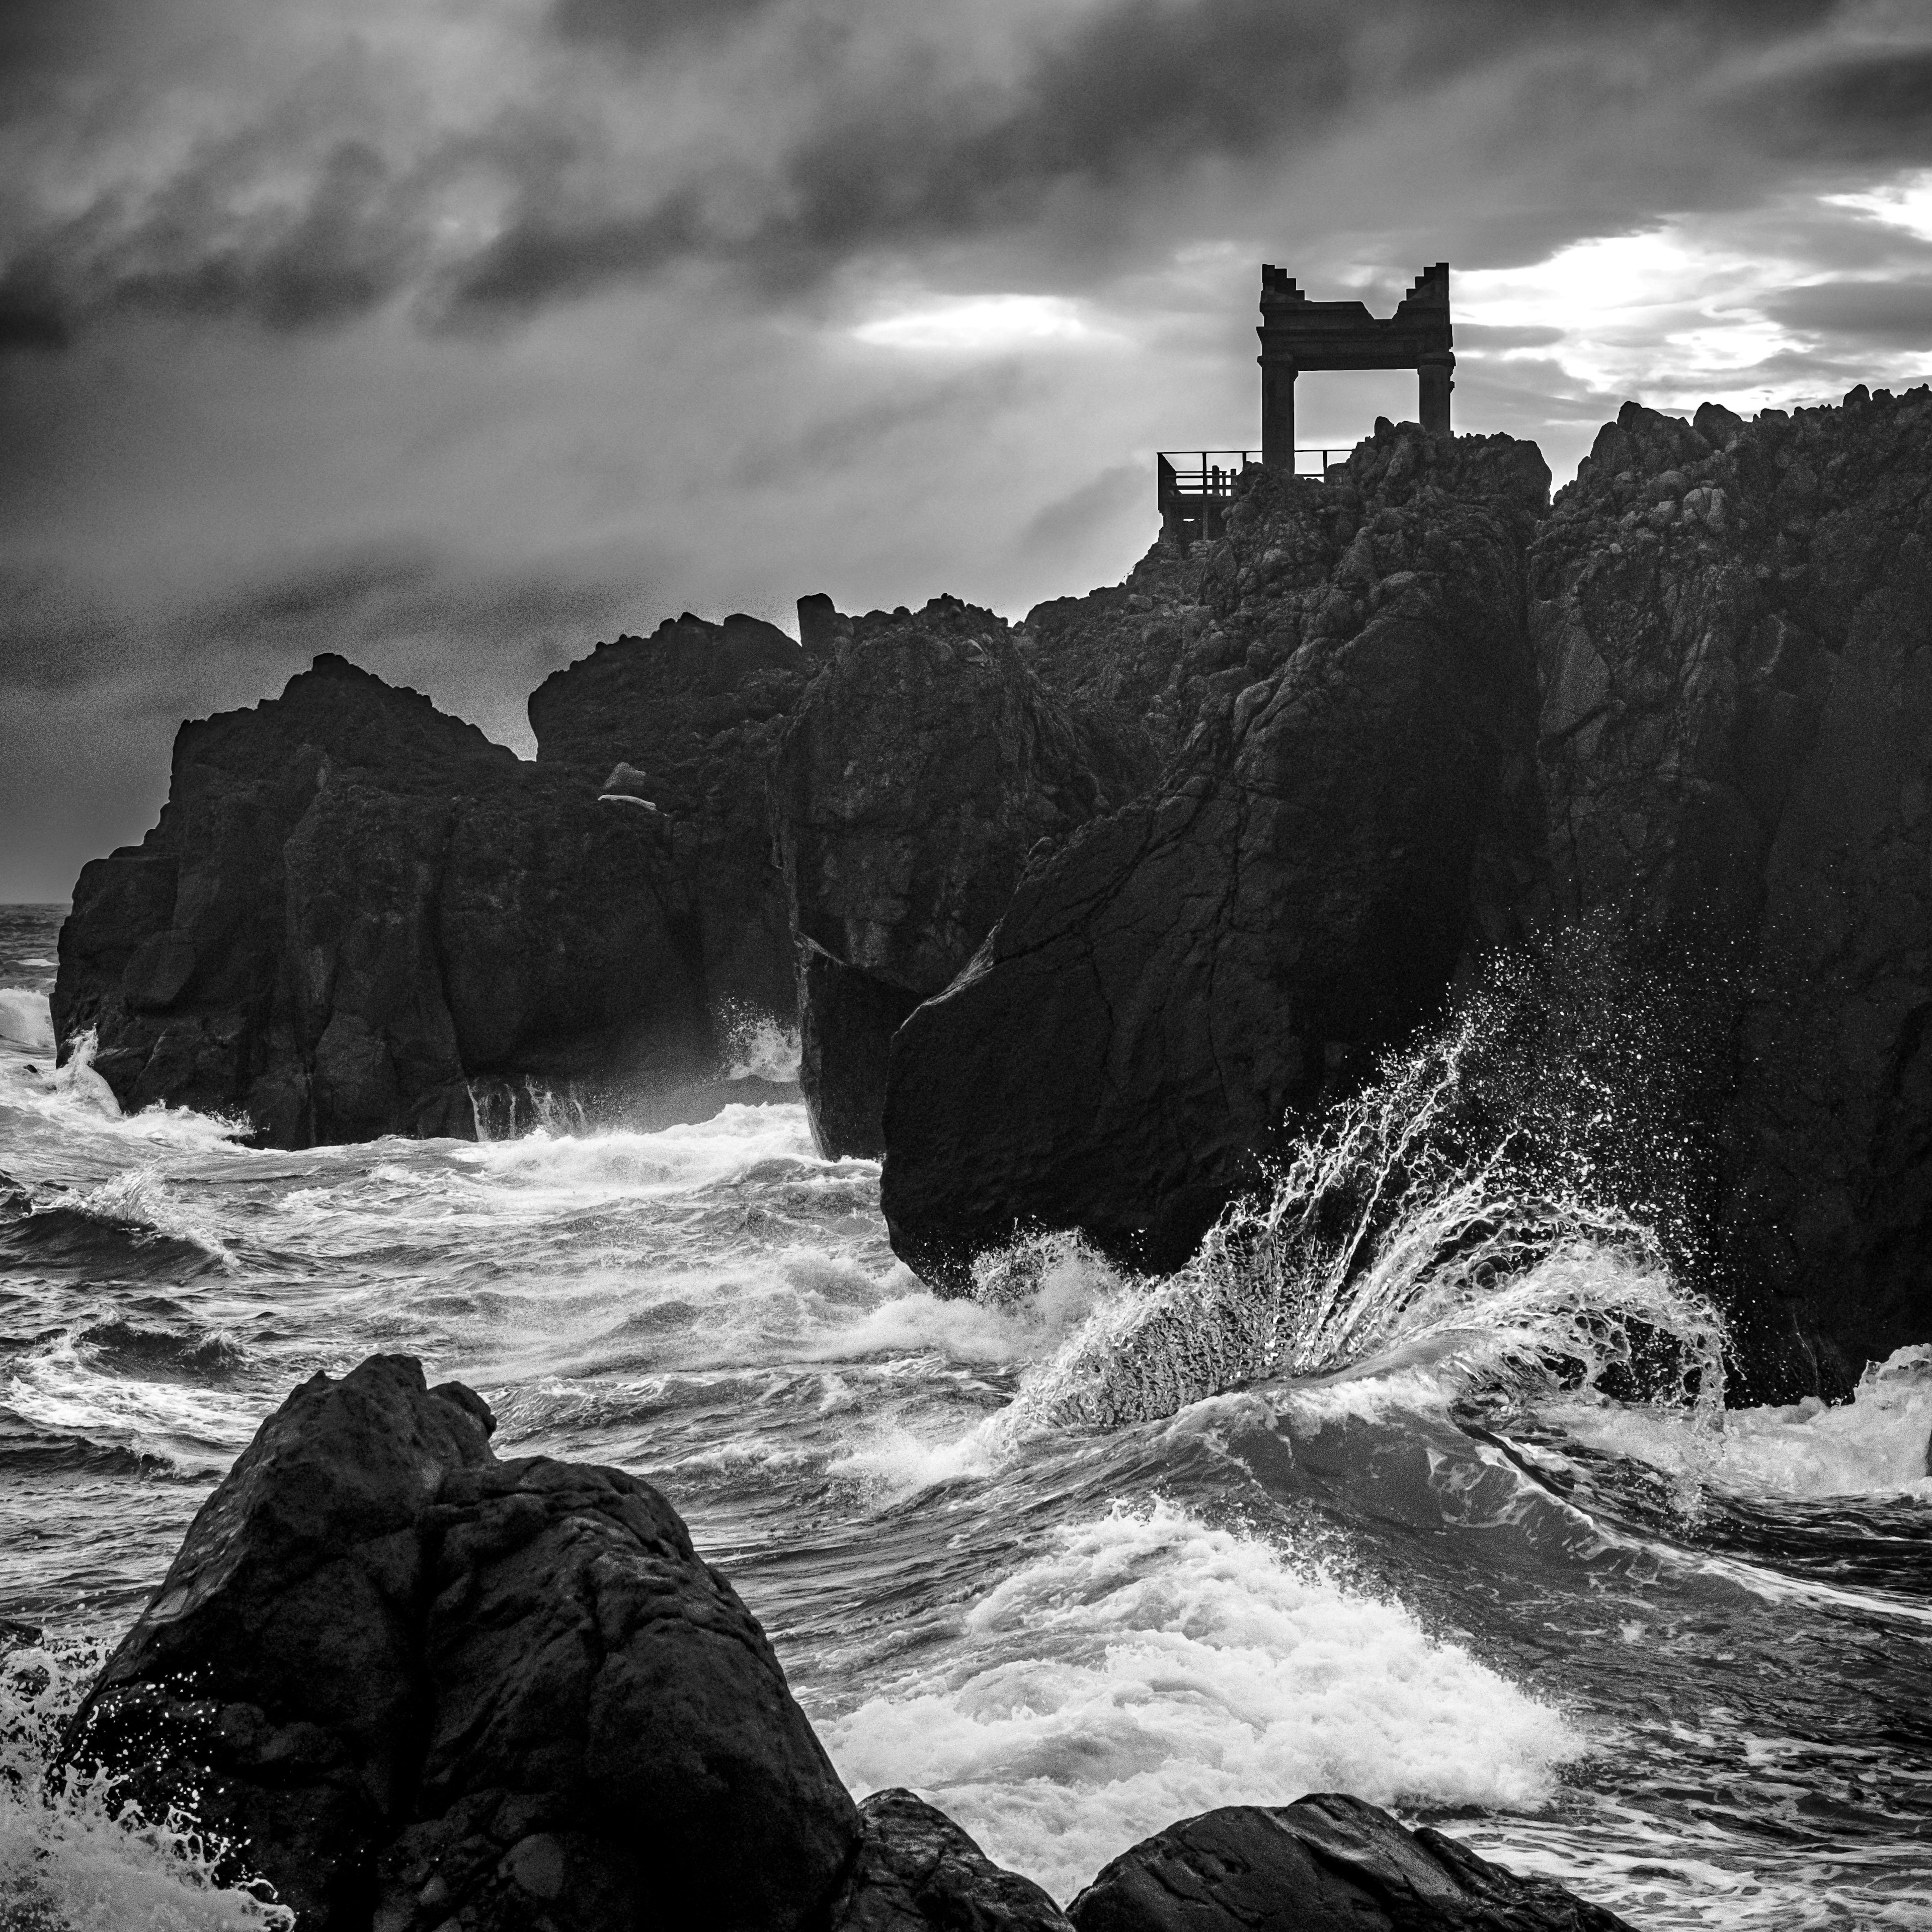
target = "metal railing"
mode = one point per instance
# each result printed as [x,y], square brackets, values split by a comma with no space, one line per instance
[1204,472]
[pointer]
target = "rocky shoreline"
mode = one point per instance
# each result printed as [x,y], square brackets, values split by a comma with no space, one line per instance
[411,1686]
[1081,920]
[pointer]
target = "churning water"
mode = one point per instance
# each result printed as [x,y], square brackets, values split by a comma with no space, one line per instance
[1341,1506]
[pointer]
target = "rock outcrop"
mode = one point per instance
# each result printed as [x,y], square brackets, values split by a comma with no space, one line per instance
[1733,627]
[1330,840]
[412,1684]
[1327,1863]
[353,905]
[696,709]
[917,1870]
[921,770]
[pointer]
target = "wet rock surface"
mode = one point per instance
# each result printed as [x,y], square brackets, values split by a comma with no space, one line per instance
[1328,1863]
[917,1870]
[411,1683]
[352,903]
[922,769]
[1332,838]
[1733,626]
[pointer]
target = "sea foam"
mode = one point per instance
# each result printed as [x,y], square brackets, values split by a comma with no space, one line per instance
[1144,1666]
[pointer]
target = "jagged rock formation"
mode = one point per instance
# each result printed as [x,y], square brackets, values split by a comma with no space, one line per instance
[697,708]
[1727,630]
[353,903]
[413,1686]
[920,770]
[1327,843]
[1328,1863]
[1733,626]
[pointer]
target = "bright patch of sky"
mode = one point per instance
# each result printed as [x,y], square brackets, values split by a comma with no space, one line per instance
[1905,203]
[1689,309]
[990,324]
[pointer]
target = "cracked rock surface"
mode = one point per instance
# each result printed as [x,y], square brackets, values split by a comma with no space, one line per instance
[924,767]
[1294,894]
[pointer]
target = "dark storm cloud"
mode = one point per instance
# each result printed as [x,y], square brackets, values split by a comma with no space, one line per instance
[644,26]
[1892,315]
[1860,104]
[1101,119]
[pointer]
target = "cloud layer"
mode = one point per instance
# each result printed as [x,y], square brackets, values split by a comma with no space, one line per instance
[456,333]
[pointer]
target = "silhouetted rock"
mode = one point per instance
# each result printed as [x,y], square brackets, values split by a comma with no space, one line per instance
[1325,1864]
[273,1686]
[412,1685]
[1330,840]
[695,710]
[922,769]
[917,1871]
[353,903]
[1732,624]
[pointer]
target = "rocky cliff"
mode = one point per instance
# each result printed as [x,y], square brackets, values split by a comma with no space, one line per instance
[696,710]
[354,905]
[1733,630]
[1682,712]
[1326,844]
[920,772]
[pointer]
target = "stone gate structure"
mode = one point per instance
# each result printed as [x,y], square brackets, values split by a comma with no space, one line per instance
[1297,333]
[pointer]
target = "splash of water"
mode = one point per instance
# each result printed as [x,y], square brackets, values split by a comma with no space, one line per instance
[1412,1225]
[74,1855]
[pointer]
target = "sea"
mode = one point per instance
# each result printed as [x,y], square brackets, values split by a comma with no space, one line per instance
[1417,1483]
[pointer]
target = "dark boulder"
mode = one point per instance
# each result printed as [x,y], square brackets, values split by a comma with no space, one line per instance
[1733,625]
[409,1683]
[273,1686]
[695,710]
[1332,840]
[917,1871]
[922,769]
[354,905]
[1328,1863]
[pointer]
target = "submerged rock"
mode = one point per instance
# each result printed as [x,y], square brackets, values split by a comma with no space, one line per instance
[1327,1863]
[922,768]
[412,1684]
[1332,839]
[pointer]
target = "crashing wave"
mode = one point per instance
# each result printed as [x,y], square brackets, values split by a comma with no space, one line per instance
[1431,1219]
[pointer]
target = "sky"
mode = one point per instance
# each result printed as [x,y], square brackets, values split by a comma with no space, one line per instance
[456,335]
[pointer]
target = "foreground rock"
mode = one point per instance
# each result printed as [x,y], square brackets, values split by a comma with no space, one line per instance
[1733,625]
[1330,842]
[920,771]
[1325,1864]
[413,1686]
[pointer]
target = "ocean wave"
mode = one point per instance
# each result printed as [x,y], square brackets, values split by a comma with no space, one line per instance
[1411,1232]
[26,1019]
[130,1220]
[1144,1666]
[1875,1445]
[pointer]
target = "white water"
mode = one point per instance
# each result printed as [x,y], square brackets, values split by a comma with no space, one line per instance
[1334,1507]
